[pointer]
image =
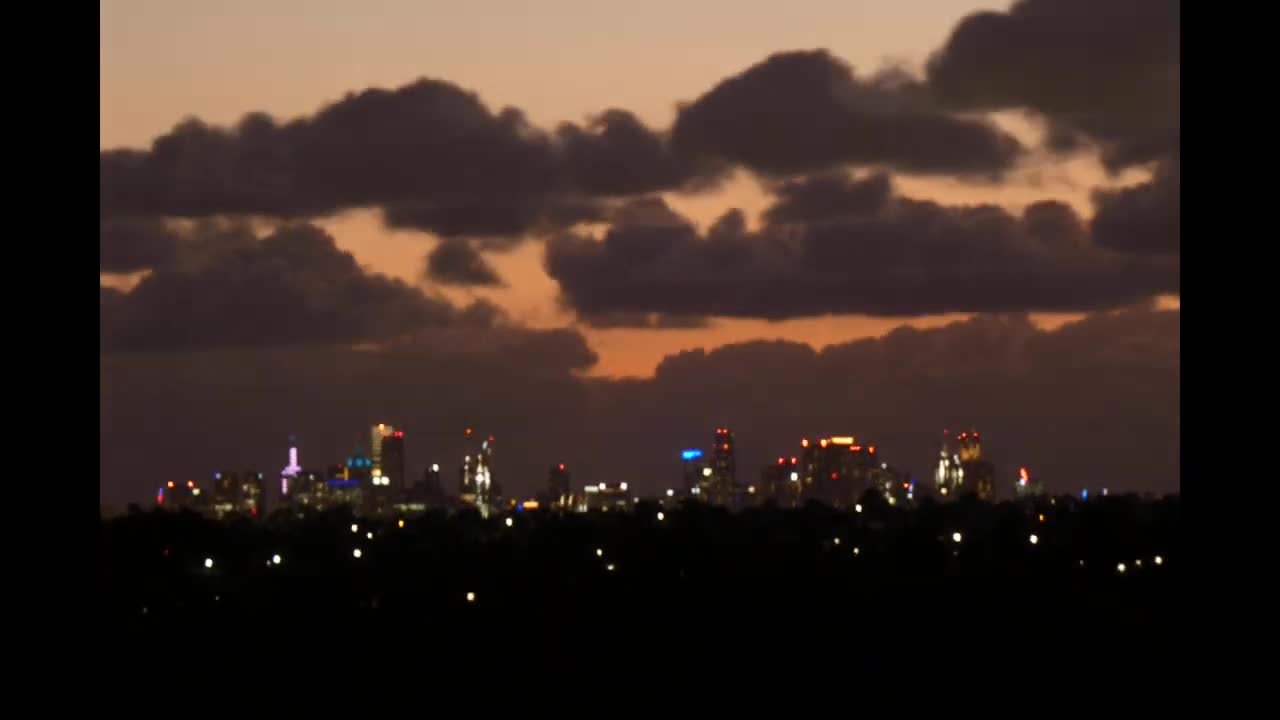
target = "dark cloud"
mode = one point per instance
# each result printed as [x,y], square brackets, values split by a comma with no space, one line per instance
[293,287]
[456,262]
[1108,71]
[843,245]
[432,155]
[127,245]
[805,111]
[645,321]
[1094,403]
[1145,218]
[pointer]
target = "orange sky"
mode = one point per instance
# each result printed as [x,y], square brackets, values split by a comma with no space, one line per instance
[557,60]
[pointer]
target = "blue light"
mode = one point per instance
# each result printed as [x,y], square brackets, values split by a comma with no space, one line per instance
[691,454]
[343,483]
[217,476]
[1084,495]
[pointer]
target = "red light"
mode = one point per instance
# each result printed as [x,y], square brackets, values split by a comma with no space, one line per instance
[804,442]
[855,448]
[253,511]
[160,499]
[872,449]
[823,442]
[191,483]
[944,432]
[561,466]
[490,438]
[834,475]
[726,446]
[468,431]
[906,486]
[781,461]
[793,461]
[400,433]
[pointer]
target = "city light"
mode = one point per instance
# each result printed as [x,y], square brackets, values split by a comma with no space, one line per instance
[624,486]
[804,442]
[1120,568]
[355,528]
[686,455]
[400,523]
[795,476]
[609,567]
[661,517]
[369,535]
[510,522]
[471,597]
[955,537]
[842,440]
[601,486]
[1137,563]
[751,489]
[1034,539]
[208,562]
[275,559]
[670,492]
[857,508]
[599,552]
[356,553]
[857,551]
[1158,560]
[1041,516]
[837,541]
[435,467]
[706,472]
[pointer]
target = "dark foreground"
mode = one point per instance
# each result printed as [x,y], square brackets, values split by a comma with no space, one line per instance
[772,593]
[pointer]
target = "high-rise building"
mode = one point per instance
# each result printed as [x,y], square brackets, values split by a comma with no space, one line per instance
[948,476]
[393,461]
[238,493]
[376,436]
[724,468]
[559,490]
[289,474]
[182,495]
[478,485]
[698,475]
[978,472]
[605,497]
[1027,487]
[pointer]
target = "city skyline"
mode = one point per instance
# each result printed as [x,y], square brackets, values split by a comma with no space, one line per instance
[941,227]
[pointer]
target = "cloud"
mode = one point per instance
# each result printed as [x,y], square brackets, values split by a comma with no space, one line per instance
[1094,403]
[1144,218]
[835,244]
[430,154]
[805,111]
[455,262]
[292,287]
[1102,71]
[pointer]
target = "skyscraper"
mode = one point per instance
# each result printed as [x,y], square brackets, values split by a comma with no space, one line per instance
[979,473]
[290,472]
[478,486]
[724,467]
[376,435]
[559,490]
[393,461]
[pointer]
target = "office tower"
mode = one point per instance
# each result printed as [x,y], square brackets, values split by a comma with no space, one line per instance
[948,476]
[182,495]
[978,473]
[478,486]
[432,489]
[698,475]
[393,461]
[1027,487]
[289,474]
[837,470]
[724,468]
[238,493]
[559,490]
[781,482]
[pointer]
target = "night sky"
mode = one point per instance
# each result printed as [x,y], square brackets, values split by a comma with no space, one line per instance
[600,233]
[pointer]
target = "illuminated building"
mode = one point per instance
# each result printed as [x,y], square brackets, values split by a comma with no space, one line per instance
[781,482]
[290,472]
[393,461]
[182,495]
[724,468]
[698,474]
[237,493]
[376,435]
[559,490]
[342,486]
[478,486]
[978,473]
[837,470]
[948,476]
[604,498]
[1027,487]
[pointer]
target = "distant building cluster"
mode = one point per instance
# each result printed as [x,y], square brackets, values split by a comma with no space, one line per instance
[838,470]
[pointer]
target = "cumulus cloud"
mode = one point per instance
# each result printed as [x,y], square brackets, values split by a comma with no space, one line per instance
[292,287]
[1102,71]
[799,112]
[1144,218]
[834,244]
[456,262]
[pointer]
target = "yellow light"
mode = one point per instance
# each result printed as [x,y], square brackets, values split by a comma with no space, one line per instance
[837,541]
[823,442]
[1120,568]
[369,535]
[530,504]
[1034,539]
[661,516]
[1137,563]
[609,567]
[510,522]
[355,528]
[599,552]
[1041,517]
[856,551]
[356,553]
[1159,560]
[955,537]
[275,559]
[857,508]
[400,523]
[208,562]
[847,440]
[751,489]
[471,597]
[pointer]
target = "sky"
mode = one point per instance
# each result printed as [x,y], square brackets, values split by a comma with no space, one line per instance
[548,191]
